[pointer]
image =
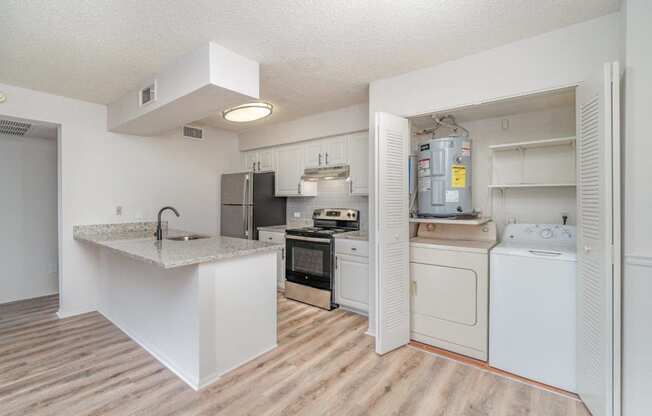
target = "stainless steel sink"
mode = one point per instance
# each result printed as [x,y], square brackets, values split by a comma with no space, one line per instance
[187,237]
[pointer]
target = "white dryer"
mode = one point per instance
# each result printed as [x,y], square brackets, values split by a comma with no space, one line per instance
[532,303]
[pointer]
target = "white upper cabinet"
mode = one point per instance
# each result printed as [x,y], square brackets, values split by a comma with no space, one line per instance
[258,160]
[327,152]
[358,159]
[265,160]
[249,160]
[335,151]
[289,169]
[314,154]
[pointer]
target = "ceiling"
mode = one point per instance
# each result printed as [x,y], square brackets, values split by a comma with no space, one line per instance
[315,55]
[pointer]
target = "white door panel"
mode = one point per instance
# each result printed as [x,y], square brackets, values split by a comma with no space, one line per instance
[392,233]
[598,232]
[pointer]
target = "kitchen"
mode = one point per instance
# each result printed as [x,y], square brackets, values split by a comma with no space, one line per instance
[306,270]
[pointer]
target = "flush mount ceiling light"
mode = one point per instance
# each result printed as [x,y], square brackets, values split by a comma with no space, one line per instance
[248,112]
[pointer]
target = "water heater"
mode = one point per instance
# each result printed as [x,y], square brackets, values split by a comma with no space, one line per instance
[444,177]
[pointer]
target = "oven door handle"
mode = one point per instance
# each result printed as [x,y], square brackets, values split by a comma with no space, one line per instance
[313,239]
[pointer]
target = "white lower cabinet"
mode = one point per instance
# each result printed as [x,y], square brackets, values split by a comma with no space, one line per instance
[352,275]
[278,238]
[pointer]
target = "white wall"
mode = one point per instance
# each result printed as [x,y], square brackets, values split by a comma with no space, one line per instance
[549,61]
[331,123]
[99,170]
[542,206]
[28,217]
[637,303]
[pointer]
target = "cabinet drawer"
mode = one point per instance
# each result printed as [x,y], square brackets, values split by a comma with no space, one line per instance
[271,237]
[351,247]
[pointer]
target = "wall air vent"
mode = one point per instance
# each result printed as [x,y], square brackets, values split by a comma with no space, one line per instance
[14,128]
[147,95]
[194,133]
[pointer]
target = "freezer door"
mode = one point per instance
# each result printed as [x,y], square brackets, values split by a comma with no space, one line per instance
[268,209]
[237,221]
[236,188]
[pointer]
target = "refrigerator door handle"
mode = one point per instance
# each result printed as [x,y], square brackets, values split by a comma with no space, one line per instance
[245,216]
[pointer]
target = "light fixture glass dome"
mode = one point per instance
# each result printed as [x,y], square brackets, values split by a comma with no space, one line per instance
[248,112]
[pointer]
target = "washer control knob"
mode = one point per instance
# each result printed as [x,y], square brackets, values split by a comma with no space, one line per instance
[545,233]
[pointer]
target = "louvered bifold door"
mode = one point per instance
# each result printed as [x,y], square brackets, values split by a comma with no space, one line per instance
[392,232]
[595,277]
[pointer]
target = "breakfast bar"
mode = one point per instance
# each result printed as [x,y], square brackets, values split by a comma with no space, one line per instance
[202,305]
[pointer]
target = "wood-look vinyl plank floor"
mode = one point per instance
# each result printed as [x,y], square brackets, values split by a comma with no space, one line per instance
[324,365]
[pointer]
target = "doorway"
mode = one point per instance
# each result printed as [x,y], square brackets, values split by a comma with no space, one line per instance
[29,213]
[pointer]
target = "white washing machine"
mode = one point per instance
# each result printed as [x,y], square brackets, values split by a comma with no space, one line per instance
[532,303]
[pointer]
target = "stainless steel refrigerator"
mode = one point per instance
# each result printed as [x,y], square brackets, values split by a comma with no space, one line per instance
[248,202]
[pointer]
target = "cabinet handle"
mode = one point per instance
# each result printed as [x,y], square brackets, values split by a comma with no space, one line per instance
[283,253]
[354,249]
[259,166]
[320,159]
[336,260]
[253,166]
[327,158]
[299,187]
[414,288]
[350,187]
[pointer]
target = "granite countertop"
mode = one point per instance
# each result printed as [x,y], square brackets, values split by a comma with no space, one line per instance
[277,228]
[353,235]
[136,240]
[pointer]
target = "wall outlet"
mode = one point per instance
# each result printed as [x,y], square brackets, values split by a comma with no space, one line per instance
[504,124]
[511,220]
[118,210]
[297,215]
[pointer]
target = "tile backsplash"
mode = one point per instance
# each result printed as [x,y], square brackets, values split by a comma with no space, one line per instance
[330,194]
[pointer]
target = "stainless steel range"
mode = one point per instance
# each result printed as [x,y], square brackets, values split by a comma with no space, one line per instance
[310,257]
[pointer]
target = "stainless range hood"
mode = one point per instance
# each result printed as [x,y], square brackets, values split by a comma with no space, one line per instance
[326,174]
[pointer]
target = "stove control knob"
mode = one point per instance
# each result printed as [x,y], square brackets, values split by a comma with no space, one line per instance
[546,233]
[348,214]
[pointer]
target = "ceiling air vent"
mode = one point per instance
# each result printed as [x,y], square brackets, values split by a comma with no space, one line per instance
[14,128]
[147,95]
[194,133]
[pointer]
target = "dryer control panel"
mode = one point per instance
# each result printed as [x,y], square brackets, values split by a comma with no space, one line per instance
[539,232]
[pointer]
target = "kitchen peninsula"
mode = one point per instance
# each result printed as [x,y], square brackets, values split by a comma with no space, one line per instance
[202,305]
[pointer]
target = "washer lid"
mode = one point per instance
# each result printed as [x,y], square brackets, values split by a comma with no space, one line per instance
[545,250]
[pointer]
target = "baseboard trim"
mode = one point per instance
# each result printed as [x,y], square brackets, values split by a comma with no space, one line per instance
[212,378]
[637,260]
[62,313]
[160,357]
[484,366]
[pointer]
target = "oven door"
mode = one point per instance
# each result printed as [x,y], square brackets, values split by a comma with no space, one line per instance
[308,261]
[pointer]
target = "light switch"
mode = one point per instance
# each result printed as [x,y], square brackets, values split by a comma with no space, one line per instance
[118,210]
[297,215]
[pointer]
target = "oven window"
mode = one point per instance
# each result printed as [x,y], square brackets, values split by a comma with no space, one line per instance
[307,260]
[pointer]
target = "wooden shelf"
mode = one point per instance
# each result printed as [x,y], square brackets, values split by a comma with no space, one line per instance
[533,185]
[535,143]
[473,221]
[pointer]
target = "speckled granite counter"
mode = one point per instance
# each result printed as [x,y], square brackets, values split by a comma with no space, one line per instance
[136,240]
[353,235]
[283,228]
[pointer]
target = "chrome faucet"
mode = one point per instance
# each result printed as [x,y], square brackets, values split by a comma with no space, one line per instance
[159,229]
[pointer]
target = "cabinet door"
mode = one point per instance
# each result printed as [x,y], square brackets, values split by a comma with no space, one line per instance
[334,151]
[249,160]
[314,154]
[352,282]
[288,170]
[265,160]
[358,155]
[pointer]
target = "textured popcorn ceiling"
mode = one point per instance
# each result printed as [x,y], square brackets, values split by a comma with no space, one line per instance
[315,55]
